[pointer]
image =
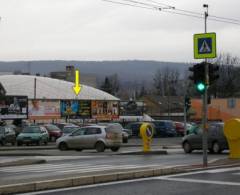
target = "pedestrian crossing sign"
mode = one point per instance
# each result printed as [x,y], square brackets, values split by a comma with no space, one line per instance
[205,45]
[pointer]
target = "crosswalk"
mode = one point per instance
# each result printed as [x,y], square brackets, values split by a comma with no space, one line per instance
[68,168]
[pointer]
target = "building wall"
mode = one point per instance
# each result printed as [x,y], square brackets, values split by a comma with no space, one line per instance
[219,109]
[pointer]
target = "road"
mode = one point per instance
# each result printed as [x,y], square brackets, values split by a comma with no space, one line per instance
[91,163]
[214,182]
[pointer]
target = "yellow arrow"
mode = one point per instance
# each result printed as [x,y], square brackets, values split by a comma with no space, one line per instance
[77,87]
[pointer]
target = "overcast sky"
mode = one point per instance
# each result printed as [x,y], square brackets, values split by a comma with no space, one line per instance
[96,30]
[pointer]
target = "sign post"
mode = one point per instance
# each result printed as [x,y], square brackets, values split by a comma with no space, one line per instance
[204,48]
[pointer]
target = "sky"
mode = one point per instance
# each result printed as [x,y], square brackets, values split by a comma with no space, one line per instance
[97,30]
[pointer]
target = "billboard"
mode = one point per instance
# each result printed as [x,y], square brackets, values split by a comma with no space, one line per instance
[13,107]
[76,108]
[43,109]
[105,110]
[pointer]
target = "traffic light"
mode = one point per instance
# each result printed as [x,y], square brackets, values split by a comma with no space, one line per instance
[187,103]
[213,73]
[198,76]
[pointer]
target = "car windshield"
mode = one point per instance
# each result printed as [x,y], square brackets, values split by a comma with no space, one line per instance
[67,130]
[31,130]
[52,128]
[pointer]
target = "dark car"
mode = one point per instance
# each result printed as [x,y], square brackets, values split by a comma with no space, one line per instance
[7,135]
[135,128]
[216,140]
[53,131]
[62,125]
[164,128]
[179,128]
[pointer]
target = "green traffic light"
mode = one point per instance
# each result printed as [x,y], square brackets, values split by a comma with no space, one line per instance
[201,87]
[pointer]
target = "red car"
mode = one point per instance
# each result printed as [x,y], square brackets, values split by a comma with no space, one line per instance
[179,128]
[53,131]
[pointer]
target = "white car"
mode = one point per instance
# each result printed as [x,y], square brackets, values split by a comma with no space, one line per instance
[99,137]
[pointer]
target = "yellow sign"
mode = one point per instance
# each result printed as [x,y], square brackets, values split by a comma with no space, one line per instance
[77,87]
[205,46]
[146,131]
[232,133]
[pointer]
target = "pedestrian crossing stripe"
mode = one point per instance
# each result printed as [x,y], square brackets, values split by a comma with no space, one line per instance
[205,45]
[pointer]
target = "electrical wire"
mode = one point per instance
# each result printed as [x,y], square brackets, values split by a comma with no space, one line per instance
[120,3]
[192,12]
[134,3]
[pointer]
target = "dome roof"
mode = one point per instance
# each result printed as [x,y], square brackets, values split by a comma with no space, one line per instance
[48,88]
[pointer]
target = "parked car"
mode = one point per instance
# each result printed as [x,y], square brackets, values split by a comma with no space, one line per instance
[62,125]
[99,137]
[33,135]
[7,135]
[135,128]
[179,128]
[125,134]
[164,128]
[68,129]
[217,142]
[53,131]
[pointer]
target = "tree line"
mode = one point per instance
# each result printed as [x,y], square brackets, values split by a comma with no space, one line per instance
[171,82]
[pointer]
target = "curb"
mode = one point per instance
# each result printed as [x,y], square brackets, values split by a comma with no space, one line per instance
[22,162]
[85,180]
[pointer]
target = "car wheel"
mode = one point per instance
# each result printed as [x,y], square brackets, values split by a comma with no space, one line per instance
[115,149]
[100,146]
[216,148]
[187,147]
[63,146]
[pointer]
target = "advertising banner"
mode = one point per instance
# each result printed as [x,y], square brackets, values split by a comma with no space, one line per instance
[84,109]
[76,108]
[105,110]
[44,109]
[13,107]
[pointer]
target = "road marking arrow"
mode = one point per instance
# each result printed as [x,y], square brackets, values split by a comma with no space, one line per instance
[77,87]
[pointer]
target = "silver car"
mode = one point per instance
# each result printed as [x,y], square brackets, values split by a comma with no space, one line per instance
[99,137]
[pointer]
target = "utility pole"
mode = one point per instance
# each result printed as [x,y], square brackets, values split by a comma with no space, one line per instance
[35,93]
[205,95]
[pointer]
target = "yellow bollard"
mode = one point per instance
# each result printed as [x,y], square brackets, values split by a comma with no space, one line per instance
[146,131]
[232,133]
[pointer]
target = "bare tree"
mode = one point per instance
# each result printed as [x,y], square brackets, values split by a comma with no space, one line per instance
[166,81]
[228,84]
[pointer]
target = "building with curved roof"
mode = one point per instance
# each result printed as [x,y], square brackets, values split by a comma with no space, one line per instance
[48,88]
[54,99]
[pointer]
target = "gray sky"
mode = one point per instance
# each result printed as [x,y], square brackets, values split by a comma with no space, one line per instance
[96,30]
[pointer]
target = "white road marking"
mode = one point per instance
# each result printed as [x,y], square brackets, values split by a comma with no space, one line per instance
[202,181]
[65,168]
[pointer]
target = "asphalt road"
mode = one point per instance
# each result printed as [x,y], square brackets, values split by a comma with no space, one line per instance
[213,182]
[87,164]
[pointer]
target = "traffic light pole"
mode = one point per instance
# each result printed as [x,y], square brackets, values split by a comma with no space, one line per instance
[204,107]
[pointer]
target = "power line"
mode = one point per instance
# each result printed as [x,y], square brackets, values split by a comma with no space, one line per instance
[176,11]
[195,13]
[120,3]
